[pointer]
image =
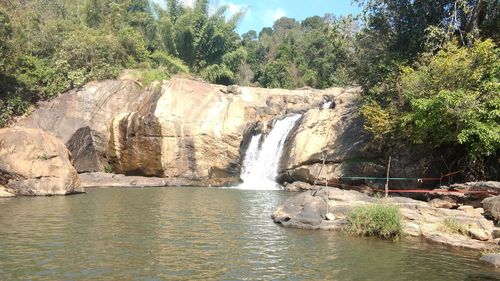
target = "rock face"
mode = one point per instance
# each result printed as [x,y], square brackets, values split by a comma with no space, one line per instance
[306,210]
[491,207]
[182,128]
[88,148]
[33,162]
[334,137]
[195,131]
[92,107]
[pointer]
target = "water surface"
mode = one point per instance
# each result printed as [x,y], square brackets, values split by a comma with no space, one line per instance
[199,234]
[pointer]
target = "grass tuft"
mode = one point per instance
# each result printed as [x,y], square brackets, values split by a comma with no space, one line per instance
[378,219]
[452,226]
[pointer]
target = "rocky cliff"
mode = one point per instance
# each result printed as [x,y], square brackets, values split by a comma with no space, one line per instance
[189,130]
[182,128]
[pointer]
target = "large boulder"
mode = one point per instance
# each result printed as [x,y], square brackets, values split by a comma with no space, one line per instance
[33,162]
[491,207]
[196,131]
[306,210]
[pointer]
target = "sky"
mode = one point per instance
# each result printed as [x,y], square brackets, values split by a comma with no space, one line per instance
[263,13]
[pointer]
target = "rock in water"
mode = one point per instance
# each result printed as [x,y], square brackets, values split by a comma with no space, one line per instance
[306,210]
[33,162]
[491,207]
[493,259]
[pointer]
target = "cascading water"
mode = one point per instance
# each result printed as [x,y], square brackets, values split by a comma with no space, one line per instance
[260,165]
[327,105]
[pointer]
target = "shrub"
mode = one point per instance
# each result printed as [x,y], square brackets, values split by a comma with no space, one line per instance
[453,98]
[378,219]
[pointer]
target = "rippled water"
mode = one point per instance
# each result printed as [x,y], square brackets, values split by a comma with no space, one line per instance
[199,234]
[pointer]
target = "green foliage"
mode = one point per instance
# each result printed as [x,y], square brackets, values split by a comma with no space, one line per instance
[147,76]
[377,219]
[377,120]
[173,64]
[219,74]
[454,98]
[452,226]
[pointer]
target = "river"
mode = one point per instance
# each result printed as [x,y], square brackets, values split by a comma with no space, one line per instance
[200,234]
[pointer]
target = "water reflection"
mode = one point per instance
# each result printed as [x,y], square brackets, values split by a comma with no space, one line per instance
[196,233]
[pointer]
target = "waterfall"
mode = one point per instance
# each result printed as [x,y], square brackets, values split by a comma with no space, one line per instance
[327,105]
[261,162]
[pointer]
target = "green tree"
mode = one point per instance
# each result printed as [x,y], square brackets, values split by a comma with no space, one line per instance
[454,98]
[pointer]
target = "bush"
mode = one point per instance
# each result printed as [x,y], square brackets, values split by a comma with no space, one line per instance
[453,98]
[378,219]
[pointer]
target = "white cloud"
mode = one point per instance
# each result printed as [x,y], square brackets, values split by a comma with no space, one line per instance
[271,15]
[233,9]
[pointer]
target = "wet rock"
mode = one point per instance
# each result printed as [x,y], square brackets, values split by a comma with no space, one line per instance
[33,162]
[492,259]
[491,207]
[306,210]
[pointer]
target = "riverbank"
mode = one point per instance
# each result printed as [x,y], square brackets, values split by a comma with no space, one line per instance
[420,219]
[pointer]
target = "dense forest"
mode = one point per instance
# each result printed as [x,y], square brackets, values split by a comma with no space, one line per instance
[429,70]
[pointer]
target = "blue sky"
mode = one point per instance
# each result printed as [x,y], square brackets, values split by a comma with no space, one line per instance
[260,13]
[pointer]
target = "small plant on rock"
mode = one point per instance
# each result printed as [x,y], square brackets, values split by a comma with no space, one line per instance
[453,226]
[378,219]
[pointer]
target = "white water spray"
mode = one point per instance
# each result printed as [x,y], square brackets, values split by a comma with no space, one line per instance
[327,105]
[261,163]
